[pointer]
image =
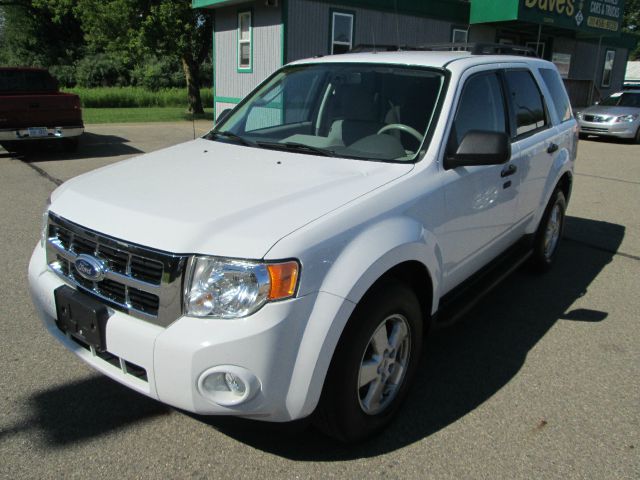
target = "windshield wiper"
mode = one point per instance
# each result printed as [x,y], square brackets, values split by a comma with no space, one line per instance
[297,147]
[232,136]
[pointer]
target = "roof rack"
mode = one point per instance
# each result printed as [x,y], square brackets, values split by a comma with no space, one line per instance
[473,48]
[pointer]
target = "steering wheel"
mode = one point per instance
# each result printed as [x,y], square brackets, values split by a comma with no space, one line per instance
[402,127]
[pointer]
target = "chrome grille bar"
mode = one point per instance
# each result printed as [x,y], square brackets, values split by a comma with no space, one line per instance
[139,281]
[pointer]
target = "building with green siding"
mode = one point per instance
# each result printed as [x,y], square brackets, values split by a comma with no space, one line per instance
[251,39]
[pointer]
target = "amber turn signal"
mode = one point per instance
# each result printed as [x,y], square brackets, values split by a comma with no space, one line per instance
[284,278]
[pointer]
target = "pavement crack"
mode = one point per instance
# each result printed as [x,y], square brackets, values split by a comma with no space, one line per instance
[603,249]
[44,174]
[608,178]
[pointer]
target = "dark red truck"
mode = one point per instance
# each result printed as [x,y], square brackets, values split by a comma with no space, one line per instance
[33,109]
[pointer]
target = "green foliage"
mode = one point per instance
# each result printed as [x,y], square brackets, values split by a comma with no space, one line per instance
[65,74]
[631,24]
[156,73]
[101,70]
[151,114]
[121,97]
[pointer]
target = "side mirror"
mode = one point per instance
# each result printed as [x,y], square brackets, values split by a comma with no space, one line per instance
[479,147]
[223,115]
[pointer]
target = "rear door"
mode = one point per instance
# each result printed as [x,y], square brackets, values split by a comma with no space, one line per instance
[534,138]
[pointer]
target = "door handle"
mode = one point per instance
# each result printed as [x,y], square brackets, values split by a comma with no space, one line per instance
[508,170]
[552,148]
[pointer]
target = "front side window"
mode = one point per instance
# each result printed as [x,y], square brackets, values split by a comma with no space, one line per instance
[481,107]
[526,101]
[245,34]
[369,112]
[607,70]
[341,32]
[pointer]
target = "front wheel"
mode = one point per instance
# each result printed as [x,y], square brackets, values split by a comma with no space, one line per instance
[373,365]
[549,234]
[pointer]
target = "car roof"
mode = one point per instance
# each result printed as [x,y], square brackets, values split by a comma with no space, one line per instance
[437,59]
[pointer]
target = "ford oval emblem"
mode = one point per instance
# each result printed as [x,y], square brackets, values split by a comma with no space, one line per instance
[90,267]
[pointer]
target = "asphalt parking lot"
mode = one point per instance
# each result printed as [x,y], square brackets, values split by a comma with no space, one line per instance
[541,380]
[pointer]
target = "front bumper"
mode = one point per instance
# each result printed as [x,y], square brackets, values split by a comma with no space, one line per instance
[20,134]
[173,358]
[619,130]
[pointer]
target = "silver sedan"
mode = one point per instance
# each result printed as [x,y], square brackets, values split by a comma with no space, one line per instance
[618,115]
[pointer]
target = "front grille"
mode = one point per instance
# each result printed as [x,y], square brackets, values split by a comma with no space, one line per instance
[142,282]
[596,118]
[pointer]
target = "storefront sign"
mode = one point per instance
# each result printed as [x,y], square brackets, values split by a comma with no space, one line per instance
[593,16]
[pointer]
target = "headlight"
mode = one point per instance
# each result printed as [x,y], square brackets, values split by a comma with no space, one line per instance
[226,288]
[579,115]
[626,118]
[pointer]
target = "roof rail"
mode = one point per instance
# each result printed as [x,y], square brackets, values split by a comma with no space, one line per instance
[473,48]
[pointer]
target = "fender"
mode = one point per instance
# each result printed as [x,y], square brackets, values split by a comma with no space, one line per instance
[361,263]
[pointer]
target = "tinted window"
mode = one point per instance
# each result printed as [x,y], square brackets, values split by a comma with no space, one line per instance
[481,107]
[558,94]
[526,100]
[26,81]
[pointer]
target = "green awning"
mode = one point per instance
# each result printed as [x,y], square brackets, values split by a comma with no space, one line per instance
[599,17]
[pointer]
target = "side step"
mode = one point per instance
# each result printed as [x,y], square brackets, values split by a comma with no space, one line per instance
[465,296]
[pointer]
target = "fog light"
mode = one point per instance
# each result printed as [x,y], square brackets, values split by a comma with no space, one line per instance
[228,385]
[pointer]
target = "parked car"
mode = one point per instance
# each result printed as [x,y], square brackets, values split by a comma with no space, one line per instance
[289,263]
[32,109]
[618,116]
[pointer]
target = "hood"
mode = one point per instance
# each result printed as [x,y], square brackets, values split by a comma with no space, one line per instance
[216,198]
[612,111]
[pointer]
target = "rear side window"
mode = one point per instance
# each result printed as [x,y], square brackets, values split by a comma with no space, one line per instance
[558,94]
[526,101]
[481,107]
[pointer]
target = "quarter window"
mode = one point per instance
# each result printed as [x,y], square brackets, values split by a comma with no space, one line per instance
[526,100]
[341,32]
[245,34]
[459,35]
[481,107]
[558,94]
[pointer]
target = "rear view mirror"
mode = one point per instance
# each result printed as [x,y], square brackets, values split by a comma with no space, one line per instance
[479,147]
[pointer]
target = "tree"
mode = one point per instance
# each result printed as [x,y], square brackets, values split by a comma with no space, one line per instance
[137,29]
[631,24]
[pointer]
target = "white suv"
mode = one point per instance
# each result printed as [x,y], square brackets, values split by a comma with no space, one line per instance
[291,260]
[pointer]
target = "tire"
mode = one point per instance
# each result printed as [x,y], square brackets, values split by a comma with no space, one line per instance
[549,234]
[366,356]
[637,137]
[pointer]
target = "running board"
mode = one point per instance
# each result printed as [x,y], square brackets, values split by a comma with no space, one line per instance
[464,297]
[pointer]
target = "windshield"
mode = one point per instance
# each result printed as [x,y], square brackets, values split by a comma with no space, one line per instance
[626,99]
[345,110]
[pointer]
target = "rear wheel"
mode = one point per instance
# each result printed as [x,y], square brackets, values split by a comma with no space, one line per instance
[549,234]
[373,365]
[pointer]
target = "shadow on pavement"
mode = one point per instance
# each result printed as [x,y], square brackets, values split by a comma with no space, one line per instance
[87,409]
[92,145]
[463,366]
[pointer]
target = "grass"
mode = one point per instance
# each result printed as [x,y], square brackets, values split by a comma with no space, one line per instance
[121,97]
[131,115]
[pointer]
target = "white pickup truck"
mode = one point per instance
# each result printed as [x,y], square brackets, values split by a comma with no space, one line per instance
[290,262]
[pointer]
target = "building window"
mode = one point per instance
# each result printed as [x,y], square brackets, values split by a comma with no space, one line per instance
[459,35]
[245,42]
[341,32]
[609,58]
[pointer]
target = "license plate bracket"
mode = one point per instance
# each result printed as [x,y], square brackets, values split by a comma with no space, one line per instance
[81,316]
